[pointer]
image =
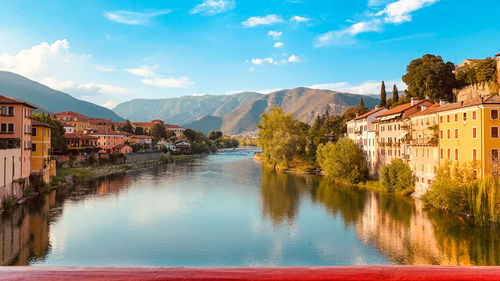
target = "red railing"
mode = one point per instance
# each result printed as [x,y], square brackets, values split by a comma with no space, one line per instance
[252,273]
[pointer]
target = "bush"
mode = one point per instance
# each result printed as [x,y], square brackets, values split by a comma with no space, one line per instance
[483,200]
[397,177]
[343,160]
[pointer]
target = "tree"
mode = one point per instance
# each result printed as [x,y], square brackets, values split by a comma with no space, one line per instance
[213,135]
[383,95]
[361,102]
[397,177]
[58,142]
[430,77]
[395,94]
[158,132]
[343,161]
[486,70]
[279,137]
[127,127]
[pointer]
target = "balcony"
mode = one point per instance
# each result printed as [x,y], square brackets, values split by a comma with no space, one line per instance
[423,141]
[10,143]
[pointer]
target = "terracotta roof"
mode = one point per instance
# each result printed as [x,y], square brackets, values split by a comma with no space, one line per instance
[40,124]
[120,146]
[369,113]
[173,126]
[140,124]
[400,108]
[78,135]
[492,99]
[141,137]
[431,109]
[9,100]
[71,113]
[106,132]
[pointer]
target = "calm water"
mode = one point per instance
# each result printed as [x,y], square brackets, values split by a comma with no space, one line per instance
[224,210]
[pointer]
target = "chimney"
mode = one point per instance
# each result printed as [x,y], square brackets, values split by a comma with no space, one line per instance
[357,114]
[423,107]
[376,106]
[443,102]
[414,101]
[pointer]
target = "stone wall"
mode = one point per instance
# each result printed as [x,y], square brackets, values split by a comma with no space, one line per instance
[143,156]
[476,91]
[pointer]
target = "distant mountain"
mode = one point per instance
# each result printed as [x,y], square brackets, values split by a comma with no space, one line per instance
[205,124]
[47,99]
[183,110]
[304,103]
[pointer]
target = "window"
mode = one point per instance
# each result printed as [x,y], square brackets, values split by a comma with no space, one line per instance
[33,147]
[474,115]
[494,155]
[448,118]
[474,154]
[465,116]
[448,133]
[440,119]
[474,133]
[456,133]
[3,128]
[449,154]
[456,117]
[442,153]
[33,132]
[494,132]
[494,114]
[456,154]
[11,128]
[441,133]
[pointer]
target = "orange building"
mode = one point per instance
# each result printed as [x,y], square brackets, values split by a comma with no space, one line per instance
[81,122]
[107,139]
[41,151]
[15,146]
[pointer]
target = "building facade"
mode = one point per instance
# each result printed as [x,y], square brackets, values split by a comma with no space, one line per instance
[41,163]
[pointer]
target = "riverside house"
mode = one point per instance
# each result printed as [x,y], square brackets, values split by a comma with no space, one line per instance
[107,140]
[15,146]
[81,122]
[41,162]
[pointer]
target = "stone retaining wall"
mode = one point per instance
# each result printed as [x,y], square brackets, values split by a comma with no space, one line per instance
[144,156]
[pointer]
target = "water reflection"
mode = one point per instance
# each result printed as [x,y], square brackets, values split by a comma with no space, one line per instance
[227,211]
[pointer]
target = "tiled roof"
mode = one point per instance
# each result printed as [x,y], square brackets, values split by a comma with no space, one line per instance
[400,108]
[9,100]
[120,146]
[173,126]
[492,99]
[71,113]
[106,132]
[431,109]
[369,113]
[40,124]
[78,135]
[140,124]
[141,137]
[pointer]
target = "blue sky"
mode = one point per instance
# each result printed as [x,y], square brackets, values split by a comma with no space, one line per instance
[109,52]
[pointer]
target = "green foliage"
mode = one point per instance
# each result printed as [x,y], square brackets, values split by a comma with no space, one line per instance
[58,142]
[361,102]
[213,135]
[383,95]
[397,177]
[138,147]
[199,142]
[246,141]
[158,132]
[127,127]
[343,161]
[483,198]
[280,138]
[477,72]
[395,94]
[430,77]
[226,142]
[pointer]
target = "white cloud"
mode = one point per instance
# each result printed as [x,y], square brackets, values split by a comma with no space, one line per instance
[143,70]
[103,68]
[212,7]
[278,45]
[86,89]
[258,61]
[182,82]
[109,104]
[133,18]
[393,13]
[366,88]
[399,11]
[266,20]
[299,19]
[275,34]
[293,58]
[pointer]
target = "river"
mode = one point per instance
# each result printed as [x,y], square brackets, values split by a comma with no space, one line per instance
[225,210]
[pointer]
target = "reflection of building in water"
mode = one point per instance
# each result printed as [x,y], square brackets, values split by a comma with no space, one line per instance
[407,235]
[113,185]
[24,232]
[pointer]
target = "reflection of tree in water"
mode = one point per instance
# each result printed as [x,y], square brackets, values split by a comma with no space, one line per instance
[280,193]
[338,198]
[464,243]
[399,208]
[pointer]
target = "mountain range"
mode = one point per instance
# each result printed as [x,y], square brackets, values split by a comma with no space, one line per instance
[49,100]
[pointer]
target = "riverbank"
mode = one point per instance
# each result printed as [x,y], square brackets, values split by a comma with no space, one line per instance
[66,177]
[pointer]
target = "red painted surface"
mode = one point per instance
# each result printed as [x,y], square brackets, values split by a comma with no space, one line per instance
[252,273]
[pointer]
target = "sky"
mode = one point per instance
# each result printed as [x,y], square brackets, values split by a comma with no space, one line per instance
[108,52]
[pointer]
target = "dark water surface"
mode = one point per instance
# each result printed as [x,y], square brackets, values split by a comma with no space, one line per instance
[224,210]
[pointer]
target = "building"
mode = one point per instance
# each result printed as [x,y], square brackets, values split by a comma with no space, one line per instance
[122,148]
[183,147]
[80,143]
[178,130]
[108,139]
[81,122]
[142,139]
[15,146]
[69,128]
[393,130]
[362,130]
[469,132]
[41,163]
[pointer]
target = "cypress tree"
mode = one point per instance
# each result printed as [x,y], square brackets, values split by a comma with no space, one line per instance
[383,98]
[395,94]
[361,102]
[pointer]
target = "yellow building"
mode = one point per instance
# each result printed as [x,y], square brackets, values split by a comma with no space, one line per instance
[40,151]
[469,131]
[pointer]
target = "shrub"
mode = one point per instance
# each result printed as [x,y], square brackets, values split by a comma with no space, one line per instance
[483,200]
[397,177]
[343,161]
